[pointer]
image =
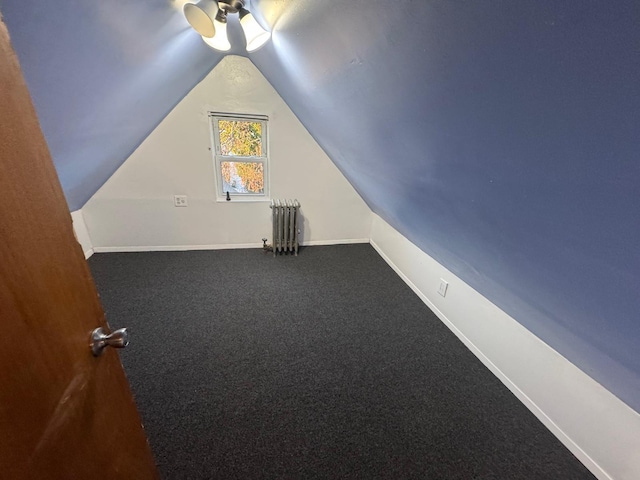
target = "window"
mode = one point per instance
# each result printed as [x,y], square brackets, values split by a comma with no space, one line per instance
[240,155]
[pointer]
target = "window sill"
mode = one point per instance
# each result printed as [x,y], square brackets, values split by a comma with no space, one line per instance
[243,199]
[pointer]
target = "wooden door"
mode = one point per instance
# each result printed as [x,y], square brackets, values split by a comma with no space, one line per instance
[64,414]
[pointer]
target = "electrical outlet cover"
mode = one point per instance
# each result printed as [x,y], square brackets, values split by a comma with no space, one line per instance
[180,200]
[442,289]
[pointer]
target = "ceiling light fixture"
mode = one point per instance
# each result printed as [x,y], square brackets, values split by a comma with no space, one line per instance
[201,15]
[209,19]
[256,35]
[220,41]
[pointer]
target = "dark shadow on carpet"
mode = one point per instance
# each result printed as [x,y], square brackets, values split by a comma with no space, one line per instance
[324,365]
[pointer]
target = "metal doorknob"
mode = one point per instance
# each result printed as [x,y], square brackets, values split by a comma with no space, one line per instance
[100,340]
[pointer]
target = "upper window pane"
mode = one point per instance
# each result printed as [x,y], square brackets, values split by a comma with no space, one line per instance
[241,138]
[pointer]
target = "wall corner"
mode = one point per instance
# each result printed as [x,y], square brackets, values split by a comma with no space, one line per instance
[82,233]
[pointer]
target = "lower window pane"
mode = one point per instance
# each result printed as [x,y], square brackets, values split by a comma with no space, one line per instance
[242,177]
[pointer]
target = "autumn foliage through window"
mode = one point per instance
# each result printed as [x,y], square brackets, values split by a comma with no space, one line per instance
[240,155]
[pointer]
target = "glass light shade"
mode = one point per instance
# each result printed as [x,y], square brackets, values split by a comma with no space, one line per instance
[201,16]
[220,40]
[256,35]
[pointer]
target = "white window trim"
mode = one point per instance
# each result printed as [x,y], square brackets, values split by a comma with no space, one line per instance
[218,158]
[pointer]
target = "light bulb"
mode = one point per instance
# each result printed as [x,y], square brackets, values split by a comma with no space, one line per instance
[256,35]
[220,41]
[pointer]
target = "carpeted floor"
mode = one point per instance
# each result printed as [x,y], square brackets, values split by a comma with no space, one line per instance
[324,365]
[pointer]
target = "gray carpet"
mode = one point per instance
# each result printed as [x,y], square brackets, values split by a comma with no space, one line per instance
[324,365]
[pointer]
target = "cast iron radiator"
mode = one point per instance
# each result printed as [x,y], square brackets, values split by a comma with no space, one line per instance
[285,226]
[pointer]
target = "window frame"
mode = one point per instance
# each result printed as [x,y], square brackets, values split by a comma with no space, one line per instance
[218,158]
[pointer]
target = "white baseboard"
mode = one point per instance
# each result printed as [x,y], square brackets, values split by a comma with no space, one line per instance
[174,248]
[88,253]
[171,248]
[315,243]
[598,428]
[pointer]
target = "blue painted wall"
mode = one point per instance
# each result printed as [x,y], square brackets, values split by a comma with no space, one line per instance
[501,137]
[102,75]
